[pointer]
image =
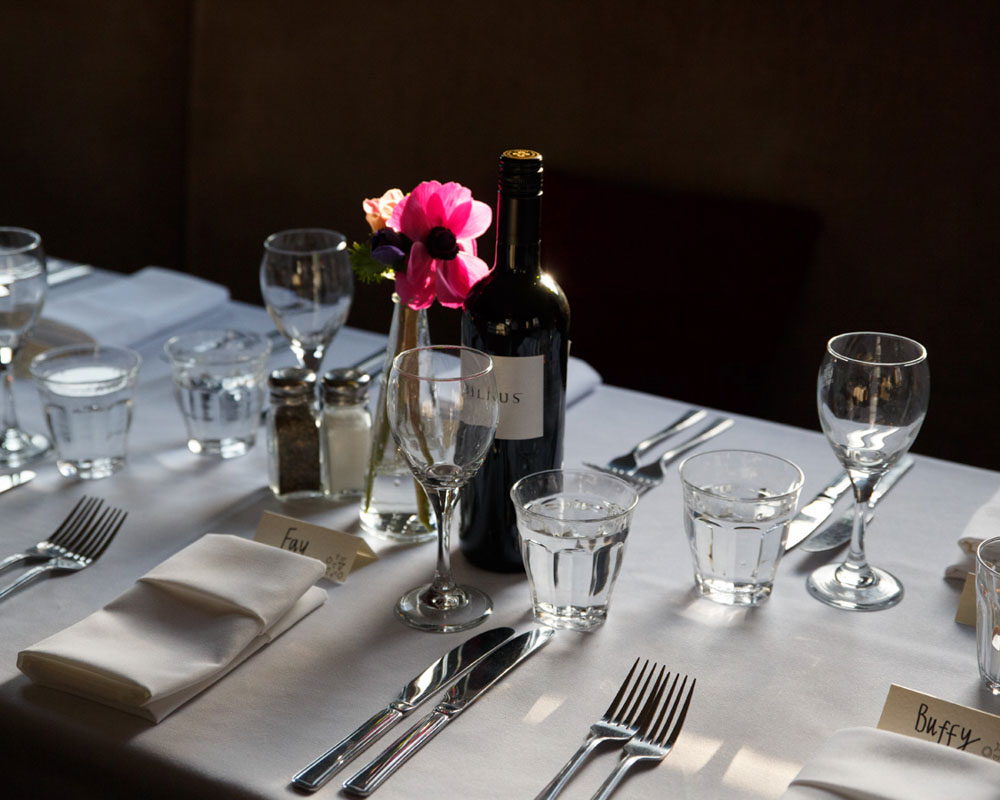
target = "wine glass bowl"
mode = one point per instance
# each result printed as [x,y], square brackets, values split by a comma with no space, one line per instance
[307,285]
[22,294]
[443,407]
[872,396]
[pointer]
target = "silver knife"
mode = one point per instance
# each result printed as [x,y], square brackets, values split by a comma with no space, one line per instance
[8,482]
[815,513]
[839,531]
[459,697]
[451,665]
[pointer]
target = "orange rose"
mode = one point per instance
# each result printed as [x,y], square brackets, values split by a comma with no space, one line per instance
[378,210]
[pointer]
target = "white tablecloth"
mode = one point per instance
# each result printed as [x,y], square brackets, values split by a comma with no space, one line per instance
[773,683]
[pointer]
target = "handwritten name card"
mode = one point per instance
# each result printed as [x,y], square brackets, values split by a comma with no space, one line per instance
[924,716]
[966,614]
[341,552]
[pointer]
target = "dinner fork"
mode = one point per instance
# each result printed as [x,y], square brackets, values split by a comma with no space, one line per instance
[656,737]
[619,723]
[76,521]
[652,475]
[626,463]
[86,550]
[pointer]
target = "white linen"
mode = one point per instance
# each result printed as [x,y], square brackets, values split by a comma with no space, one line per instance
[184,625]
[870,764]
[581,380]
[800,669]
[130,311]
[984,524]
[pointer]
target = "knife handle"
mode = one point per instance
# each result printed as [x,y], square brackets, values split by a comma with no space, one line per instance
[395,755]
[332,761]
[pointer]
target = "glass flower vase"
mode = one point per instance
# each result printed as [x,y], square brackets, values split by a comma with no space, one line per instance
[394,505]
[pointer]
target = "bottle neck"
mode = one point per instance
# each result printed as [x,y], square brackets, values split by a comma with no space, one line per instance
[518,233]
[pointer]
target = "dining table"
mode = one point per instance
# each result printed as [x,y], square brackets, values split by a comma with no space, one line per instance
[774,682]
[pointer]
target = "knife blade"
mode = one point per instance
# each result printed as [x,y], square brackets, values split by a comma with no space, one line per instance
[838,532]
[15,479]
[815,513]
[452,665]
[458,698]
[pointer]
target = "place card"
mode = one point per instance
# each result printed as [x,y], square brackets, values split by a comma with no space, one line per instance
[341,552]
[966,614]
[926,717]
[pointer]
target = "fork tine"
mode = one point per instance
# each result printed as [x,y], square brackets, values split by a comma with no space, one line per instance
[635,713]
[98,531]
[70,527]
[81,526]
[64,525]
[653,702]
[680,720]
[650,731]
[110,534]
[624,686]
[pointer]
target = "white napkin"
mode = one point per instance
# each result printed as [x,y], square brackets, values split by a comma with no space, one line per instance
[870,764]
[581,380]
[130,311]
[184,625]
[984,524]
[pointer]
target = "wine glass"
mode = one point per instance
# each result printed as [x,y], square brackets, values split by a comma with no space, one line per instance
[872,397]
[443,408]
[22,293]
[307,284]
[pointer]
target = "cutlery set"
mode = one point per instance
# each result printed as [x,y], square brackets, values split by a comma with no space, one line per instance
[644,478]
[631,719]
[646,715]
[77,543]
[806,529]
[474,666]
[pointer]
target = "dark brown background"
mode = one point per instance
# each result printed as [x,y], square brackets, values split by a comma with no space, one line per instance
[729,183]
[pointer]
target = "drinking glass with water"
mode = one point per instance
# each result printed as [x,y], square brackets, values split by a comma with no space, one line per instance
[219,385]
[86,393]
[737,506]
[573,526]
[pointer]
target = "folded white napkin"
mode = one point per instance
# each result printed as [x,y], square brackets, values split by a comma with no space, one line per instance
[130,311]
[581,380]
[871,764]
[184,625]
[984,524]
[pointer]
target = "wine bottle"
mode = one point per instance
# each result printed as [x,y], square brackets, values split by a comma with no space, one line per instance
[520,316]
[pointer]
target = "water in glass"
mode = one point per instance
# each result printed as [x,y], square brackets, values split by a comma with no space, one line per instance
[89,411]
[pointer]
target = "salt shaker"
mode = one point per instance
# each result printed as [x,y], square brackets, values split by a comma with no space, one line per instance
[346,432]
[293,435]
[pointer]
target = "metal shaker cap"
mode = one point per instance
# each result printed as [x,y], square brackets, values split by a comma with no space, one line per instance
[346,386]
[292,382]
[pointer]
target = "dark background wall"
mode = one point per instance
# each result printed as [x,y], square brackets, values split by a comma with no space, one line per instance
[729,183]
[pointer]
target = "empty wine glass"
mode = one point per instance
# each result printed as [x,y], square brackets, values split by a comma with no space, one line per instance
[307,284]
[443,407]
[22,293]
[872,396]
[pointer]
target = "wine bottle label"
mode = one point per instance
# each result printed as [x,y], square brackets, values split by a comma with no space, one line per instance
[520,384]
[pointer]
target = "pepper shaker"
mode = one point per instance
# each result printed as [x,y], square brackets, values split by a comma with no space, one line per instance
[293,440]
[346,430]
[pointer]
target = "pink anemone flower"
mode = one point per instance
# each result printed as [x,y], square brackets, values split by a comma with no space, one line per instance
[443,222]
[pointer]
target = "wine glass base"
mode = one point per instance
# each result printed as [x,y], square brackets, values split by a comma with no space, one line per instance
[19,448]
[474,606]
[883,592]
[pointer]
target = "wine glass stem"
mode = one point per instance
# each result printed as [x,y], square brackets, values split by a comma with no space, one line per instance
[443,501]
[9,419]
[310,359]
[855,570]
